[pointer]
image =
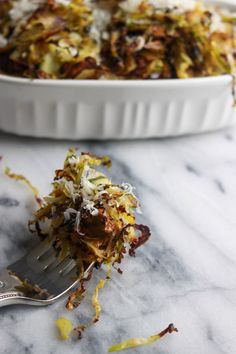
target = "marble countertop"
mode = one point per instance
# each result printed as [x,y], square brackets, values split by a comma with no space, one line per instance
[186,274]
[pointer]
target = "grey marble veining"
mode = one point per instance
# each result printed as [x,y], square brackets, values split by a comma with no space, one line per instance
[186,274]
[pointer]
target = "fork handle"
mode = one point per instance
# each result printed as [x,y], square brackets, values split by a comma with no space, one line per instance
[9,298]
[14,298]
[8,295]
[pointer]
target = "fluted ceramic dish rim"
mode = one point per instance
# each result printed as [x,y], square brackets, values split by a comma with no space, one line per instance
[207,80]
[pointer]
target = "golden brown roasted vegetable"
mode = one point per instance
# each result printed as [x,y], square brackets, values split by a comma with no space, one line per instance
[151,43]
[147,41]
[54,43]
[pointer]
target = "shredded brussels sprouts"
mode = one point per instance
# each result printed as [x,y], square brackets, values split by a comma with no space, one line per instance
[138,342]
[64,327]
[152,39]
[89,219]
[18,177]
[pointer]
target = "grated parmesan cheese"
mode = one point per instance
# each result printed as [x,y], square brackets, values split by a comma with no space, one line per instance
[89,205]
[22,8]
[67,216]
[216,23]
[3,41]
[101,20]
[175,5]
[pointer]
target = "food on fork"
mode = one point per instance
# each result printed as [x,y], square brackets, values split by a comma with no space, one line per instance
[91,220]
[87,216]
[132,39]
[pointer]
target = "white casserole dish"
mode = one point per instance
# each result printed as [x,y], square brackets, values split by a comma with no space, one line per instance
[116,109]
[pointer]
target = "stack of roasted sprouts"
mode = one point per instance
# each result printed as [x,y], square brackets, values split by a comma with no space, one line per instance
[131,39]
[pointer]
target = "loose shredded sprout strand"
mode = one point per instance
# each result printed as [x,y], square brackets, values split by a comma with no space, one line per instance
[137,342]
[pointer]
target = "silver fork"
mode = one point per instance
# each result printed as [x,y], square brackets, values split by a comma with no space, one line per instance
[43,270]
